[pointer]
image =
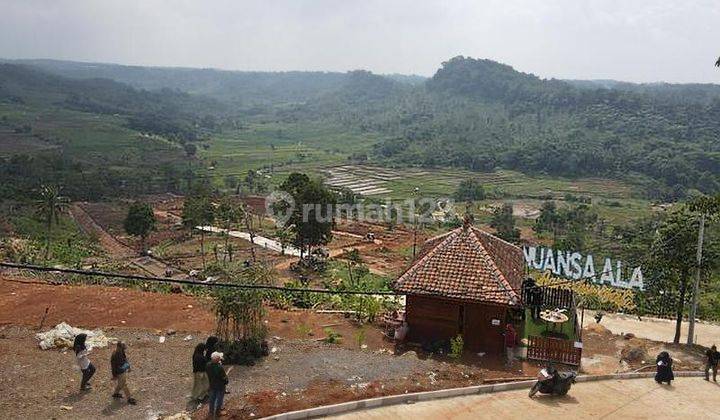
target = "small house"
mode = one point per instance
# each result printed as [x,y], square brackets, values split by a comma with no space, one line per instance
[462,282]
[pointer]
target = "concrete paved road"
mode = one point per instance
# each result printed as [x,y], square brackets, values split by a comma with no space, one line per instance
[688,398]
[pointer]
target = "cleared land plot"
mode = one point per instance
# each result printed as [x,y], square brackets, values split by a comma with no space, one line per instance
[14,144]
[287,147]
[514,183]
[95,139]
[365,180]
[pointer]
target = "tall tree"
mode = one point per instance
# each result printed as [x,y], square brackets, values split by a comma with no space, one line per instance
[707,207]
[198,211]
[140,221]
[284,236]
[470,190]
[312,218]
[547,221]
[353,258]
[50,205]
[672,254]
[504,223]
[228,213]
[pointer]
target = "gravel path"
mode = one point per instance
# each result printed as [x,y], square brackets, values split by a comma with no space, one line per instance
[302,362]
[44,384]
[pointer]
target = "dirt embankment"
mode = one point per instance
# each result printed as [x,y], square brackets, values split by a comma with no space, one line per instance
[100,306]
[114,247]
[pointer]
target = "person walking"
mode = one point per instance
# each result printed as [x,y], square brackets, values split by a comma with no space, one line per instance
[120,367]
[200,379]
[218,380]
[664,368]
[83,361]
[713,358]
[511,340]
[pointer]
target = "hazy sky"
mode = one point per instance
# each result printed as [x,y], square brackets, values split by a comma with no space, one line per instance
[634,40]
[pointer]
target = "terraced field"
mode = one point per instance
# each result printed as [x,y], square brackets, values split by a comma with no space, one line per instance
[365,180]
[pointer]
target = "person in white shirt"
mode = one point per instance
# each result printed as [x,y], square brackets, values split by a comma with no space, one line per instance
[83,361]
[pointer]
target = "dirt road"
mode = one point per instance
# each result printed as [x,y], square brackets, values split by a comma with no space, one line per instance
[118,250]
[618,399]
[107,241]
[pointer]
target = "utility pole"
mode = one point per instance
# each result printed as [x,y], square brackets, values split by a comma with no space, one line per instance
[696,286]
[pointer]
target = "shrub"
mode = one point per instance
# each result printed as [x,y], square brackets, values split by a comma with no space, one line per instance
[240,314]
[244,351]
[332,337]
[456,347]
[360,336]
[303,330]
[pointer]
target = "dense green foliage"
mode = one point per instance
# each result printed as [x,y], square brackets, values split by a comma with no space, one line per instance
[473,114]
[470,190]
[504,223]
[165,112]
[665,245]
[140,221]
[198,210]
[312,217]
[480,115]
[569,226]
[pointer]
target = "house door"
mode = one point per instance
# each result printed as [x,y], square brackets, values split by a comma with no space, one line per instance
[483,327]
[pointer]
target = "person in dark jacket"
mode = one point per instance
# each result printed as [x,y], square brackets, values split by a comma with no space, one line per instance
[713,358]
[664,368]
[200,379]
[81,355]
[119,367]
[536,300]
[210,347]
[218,380]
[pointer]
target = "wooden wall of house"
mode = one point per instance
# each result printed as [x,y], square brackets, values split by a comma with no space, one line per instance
[483,328]
[433,319]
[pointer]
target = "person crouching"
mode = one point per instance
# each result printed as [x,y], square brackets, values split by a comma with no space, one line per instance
[664,368]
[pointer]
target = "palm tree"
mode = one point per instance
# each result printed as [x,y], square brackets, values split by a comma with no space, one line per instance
[50,205]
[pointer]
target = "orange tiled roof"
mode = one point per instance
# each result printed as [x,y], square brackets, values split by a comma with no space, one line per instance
[466,264]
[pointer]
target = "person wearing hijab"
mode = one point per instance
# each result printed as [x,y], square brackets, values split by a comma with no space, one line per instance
[83,361]
[210,347]
[713,358]
[200,379]
[664,368]
[120,367]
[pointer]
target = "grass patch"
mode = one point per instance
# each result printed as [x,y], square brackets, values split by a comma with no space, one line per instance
[69,245]
[542,328]
[287,147]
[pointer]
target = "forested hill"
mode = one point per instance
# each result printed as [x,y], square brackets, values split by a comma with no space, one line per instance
[171,113]
[475,114]
[480,114]
[673,92]
[241,89]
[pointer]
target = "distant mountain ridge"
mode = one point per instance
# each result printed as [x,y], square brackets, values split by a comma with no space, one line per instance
[473,113]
